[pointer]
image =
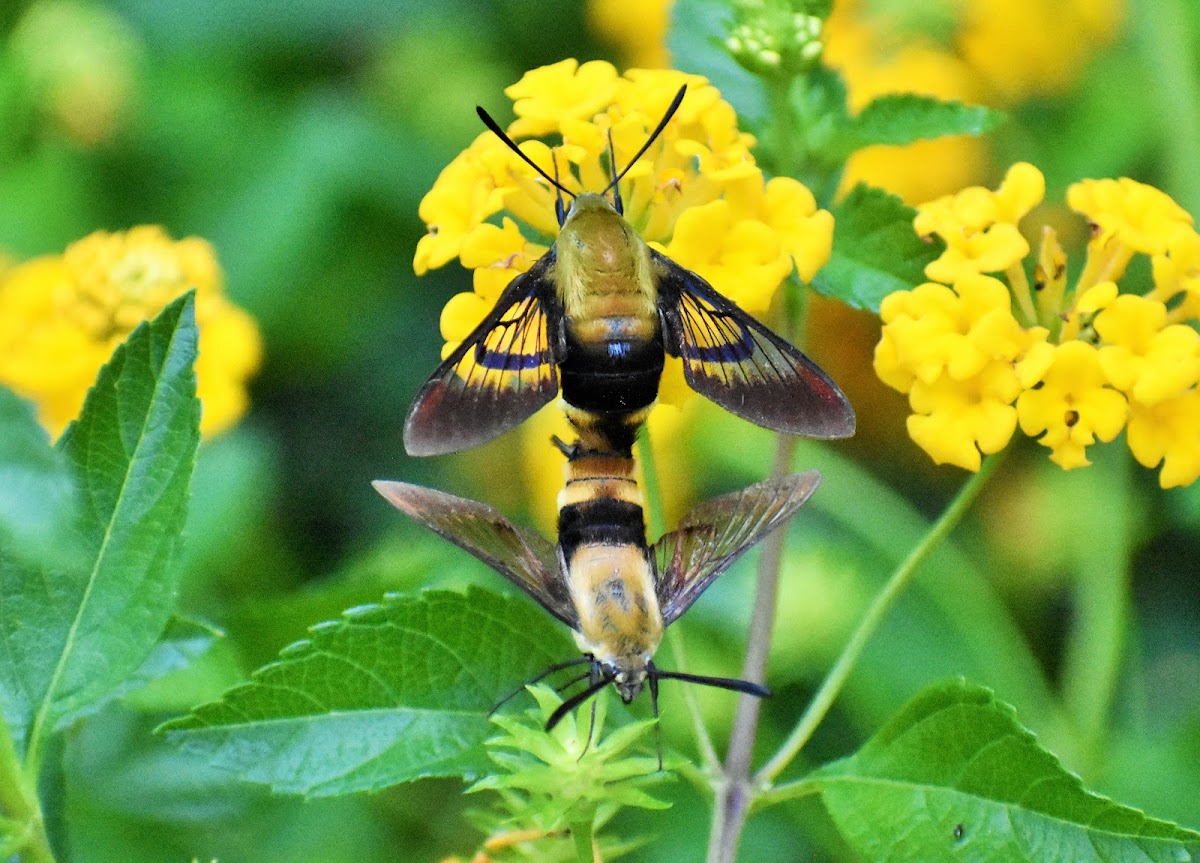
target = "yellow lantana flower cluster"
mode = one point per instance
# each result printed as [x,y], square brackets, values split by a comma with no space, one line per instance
[61,317]
[979,355]
[696,195]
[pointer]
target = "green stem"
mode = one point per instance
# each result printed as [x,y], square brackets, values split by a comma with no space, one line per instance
[785,792]
[1167,42]
[784,126]
[1101,602]
[585,851]
[18,798]
[837,676]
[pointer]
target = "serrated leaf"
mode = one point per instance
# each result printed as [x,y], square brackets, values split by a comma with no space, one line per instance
[37,491]
[875,251]
[954,776]
[73,634]
[902,118]
[387,694]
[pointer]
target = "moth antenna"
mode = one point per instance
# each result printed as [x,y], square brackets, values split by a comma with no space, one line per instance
[560,211]
[574,701]
[652,682]
[558,666]
[576,679]
[618,204]
[743,686]
[591,733]
[495,129]
[662,124]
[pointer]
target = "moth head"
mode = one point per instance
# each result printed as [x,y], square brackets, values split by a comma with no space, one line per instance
[628,675]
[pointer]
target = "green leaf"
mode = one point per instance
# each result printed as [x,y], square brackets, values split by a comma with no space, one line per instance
[875,250]
[389,693]
[73,634]
[902,118]
[954,776]
[132,796]
[37,492]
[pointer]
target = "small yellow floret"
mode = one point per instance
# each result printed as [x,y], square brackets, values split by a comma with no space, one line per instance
[1141,217]
[1067,398]
[1168,432]
[956,421]
[1143,357]
[544,97]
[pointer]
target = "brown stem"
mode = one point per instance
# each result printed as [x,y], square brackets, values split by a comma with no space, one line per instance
[733,792]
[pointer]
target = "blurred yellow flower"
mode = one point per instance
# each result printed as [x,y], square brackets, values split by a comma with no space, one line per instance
[972,51]
[61,317]
[1073,366]
[79,60]
[637,28]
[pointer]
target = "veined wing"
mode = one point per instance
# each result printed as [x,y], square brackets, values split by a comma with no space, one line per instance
[501,374]
[522,556]
[716,533]
[735,361]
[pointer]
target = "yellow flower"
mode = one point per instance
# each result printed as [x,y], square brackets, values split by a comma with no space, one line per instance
[980,226]
[466,192]
[62,316]
[953,351]
[937,330]
[1177,276]
[550,95]
[1144,357]
[1068,398]
[1144,218]
[1079,363]
[1168,432]
[956,421]
[726,251]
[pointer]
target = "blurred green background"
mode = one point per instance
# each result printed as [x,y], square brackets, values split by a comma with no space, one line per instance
[298,136]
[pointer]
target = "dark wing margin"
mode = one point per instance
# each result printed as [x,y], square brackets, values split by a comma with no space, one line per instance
[523,556]
[500,375]
[735,361]
[716,533]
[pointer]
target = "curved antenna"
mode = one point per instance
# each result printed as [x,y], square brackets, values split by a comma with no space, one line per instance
[618,204]
[662,124]
[576,700]
[495,129]
[558,666]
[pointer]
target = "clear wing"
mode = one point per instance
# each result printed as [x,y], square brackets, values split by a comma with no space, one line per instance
[716,533]
[522,556]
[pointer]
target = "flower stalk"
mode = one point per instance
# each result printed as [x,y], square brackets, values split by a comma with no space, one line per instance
[23,824]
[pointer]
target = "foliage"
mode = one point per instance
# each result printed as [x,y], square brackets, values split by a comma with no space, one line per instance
[144,576]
